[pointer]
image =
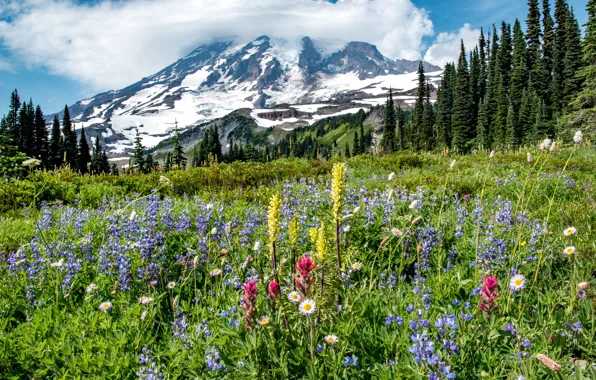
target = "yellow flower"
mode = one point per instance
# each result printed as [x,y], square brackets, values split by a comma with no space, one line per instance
[523,243]
[293,229]
[273,218]
[338,188]
[314,234]
[321,243]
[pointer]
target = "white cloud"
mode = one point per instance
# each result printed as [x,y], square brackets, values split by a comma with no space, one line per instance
[446,47]
[113,44]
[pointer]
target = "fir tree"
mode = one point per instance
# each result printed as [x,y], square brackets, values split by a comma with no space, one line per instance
[42,147]
[70,148]
[138,158]
[418,113]
[445,106]
[475,73]
[55,158]
[84,157]
[511,138]
[483,77]
[96,157]
[388,140]
[401,126]
[178,159]
[462,110]
[548,41]
[12,118]
[167,162]
[428,122]
[149,163]
[558,87]
[533,33]
[583,107]
[104,163]
[482,134]
[26,142]
[572,62]
[519,78]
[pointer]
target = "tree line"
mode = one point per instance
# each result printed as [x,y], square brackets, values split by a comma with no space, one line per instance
[511,89]
[24,133]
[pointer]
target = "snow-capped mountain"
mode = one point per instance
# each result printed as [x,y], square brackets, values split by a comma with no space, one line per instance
[218,78]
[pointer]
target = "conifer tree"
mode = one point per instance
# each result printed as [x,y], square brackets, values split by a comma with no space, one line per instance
[55,158]
[511,138]
[12,118]
[178,159]
[548,41]
[483,78]
[558,88]
[482,133]
[104,163]
[428,122]
[418,113]
[583,107]
[462,111]
[475,73]
[519,78]
[26,142]
[388,140]
[572,62]
[533,33]
[70,148]
[84,157]
[149,162]
[445,106]
[42,147]
[96,157]
[138,158]
[504,57]
[168,162]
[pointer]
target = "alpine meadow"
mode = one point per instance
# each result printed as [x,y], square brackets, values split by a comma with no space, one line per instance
[274,206]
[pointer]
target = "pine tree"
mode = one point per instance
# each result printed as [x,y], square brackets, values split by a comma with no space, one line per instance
[525,121]
[558,87]
[55,144]
[95,166]
[401,126]
[444,109]
[533,33]
[388,140]
[500,123]
[428,123]
[462,110]
[504,57]
[12,118]
[138,158]
[26,143]
[475,73]
[104,163]
[548,41]
[492,91]
[70,140]
[572,62]
[149,162]
[511,138]
[42,147]
[519,78]
[418,113]
[84,158]
[482,133]
[178,158]
[584,105]
[483,78]
[167,162]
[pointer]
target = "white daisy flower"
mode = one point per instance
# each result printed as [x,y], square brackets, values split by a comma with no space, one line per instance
[518,282]
[331,339]
[171,285]
[104,306]
[569,250]
[91,288]
[307,307]
[215,272]
[294,297]
[356,266]
[569,231]
[583,285]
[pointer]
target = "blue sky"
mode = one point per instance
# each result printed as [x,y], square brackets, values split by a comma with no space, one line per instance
[108,45]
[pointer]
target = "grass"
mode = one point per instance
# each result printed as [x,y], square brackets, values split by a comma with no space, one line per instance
[413,273]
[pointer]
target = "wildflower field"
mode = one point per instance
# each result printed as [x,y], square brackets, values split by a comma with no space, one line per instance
[480,266]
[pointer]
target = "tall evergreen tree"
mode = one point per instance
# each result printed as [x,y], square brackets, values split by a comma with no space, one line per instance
[178,158]
[482,129]
[462,110]
[55,144]
[504,57]
[70,147]
[84,158]
[388,140]
[548,41]
[475,73]
[519,78]
[492,90]
[583,107]
[558,87]
[572,61]
[26,141]
[444,109]
[511,138]
[533,33]
[138,158]
[42,145]
[428,123]
[483,78]
[12,118]
[418,113]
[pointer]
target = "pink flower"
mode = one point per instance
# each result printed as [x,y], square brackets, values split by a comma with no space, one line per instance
[274,290]
[489,295]
[249,302]
[304,277]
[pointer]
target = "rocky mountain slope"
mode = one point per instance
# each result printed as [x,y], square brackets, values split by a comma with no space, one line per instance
[282,83]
